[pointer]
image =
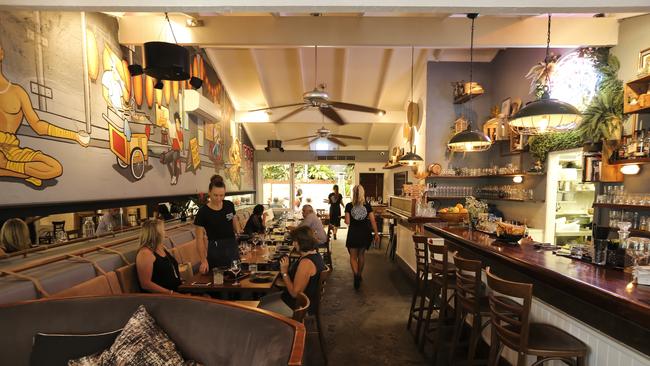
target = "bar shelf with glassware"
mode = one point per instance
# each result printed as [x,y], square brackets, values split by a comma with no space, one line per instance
[622,206]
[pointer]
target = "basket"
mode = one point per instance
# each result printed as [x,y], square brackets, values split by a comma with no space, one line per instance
[453,217]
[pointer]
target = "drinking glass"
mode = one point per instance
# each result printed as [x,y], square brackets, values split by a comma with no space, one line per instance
[235,269]
[255,239]
[217,276]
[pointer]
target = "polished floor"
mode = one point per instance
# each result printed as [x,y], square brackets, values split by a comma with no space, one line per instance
[366,327]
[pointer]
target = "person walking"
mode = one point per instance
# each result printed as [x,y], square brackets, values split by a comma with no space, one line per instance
[335,200]
[361,225]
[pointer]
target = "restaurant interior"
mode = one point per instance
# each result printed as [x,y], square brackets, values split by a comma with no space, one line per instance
[331,182]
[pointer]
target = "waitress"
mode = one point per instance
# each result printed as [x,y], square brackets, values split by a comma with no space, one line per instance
[217,221]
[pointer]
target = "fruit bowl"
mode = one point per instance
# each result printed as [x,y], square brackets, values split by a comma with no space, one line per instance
[453,216]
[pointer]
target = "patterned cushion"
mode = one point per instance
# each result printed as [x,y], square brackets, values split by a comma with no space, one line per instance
[141,343]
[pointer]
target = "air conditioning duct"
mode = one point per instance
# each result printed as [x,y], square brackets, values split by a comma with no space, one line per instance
[197,104]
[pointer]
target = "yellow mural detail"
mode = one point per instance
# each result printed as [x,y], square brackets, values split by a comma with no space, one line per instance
[137,90]
[31,165]
[92,55]
[234,171]
[162,116]
[167,91]
[175,89]
[194,151]
[148,80]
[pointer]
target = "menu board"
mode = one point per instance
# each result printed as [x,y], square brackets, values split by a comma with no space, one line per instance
[399,179]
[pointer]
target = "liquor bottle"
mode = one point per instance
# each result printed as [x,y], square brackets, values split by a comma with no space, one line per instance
[631,146]
[622,149]
[646,144]
[640,143]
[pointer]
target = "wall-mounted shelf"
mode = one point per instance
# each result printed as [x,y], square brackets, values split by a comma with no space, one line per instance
[466,98]
[622,207]
[511,200]
[485,176]
[637,90]
[392,166]
[574,233]
[630,161]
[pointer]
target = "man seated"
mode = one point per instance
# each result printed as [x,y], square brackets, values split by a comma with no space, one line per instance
[311,220]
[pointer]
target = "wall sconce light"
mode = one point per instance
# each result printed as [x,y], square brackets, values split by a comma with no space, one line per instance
[518,179]
[630,169]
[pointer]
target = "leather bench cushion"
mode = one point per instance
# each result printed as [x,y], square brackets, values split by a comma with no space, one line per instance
[181,236]
[58,349]
[100,285]
[14,290]
[205,331]
[128,277]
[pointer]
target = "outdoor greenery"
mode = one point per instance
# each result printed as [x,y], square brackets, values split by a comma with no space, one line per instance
[602,119]
[275,172]
[541,145]
[314,172]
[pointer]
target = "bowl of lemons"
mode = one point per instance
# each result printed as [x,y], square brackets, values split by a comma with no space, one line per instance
[456,213]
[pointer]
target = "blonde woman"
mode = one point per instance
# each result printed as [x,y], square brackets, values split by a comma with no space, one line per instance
[14,236]
[361,225]
[157,269]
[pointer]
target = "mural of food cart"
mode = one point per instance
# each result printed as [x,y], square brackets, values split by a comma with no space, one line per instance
[132,153]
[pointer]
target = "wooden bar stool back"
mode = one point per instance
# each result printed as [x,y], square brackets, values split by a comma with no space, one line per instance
[421,278]
[511,327]
[314,312]
[441,282]
[302,304]
[470,300]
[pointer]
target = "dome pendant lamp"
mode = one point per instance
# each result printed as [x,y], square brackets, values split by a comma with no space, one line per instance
[545,115]
[411,158]
[470,140]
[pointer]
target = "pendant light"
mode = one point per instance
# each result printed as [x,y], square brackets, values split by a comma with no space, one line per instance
[470,140]
[411,158]
[545,115]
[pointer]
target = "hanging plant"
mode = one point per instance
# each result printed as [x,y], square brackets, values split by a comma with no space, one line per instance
[541,145]
[540,73]
[602,118]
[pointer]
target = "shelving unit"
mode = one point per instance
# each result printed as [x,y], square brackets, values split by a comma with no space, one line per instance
[573,233]
[630,161]
[637,90]
[633,232]
[621,207]
[511,200]
[466,98]
[392,166]
[433,177]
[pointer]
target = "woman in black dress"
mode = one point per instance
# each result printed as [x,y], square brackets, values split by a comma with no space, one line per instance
[361,225]
[157,269]
[336,201]
[218,222]
[255,223]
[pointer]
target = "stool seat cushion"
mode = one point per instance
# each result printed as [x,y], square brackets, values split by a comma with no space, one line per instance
[545,339]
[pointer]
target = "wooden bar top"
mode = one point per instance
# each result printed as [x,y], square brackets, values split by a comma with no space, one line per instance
[607,288]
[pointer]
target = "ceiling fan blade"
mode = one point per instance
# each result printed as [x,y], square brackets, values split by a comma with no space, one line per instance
[332,114]
[276,107]
[346,136]
[337,141]
[300,138]
[295,111]
[356,107]
[311,141]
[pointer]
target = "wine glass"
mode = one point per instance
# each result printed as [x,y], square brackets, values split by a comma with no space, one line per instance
[235,269]
[256,239]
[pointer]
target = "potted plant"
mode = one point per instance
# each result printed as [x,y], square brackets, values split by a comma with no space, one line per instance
[541,145]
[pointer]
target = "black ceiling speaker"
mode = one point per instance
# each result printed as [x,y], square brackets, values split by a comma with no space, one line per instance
[196,82]
[166,61]
[274,144]
[135,70]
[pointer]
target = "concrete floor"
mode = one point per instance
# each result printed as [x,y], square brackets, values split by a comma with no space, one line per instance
[366,327]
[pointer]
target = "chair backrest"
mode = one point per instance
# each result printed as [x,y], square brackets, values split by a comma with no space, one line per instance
[421,260]
[509,318]
[128,277]
[439,263]
[468,283]
[302,304]
[188,253]
[324,276]
[101,285]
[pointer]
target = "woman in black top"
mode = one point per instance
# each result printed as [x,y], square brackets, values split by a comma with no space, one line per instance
[361,225]
[217,221]
[157,269]
[255,223]
[302,276]
[335,200]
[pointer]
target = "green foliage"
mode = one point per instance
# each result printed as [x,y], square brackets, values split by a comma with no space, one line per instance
[601,119]
[275,172]
[315,172]
[541,145]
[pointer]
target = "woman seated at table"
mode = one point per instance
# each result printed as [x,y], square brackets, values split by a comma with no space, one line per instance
[302,276]
[14,236]
[157,269]
[255,223]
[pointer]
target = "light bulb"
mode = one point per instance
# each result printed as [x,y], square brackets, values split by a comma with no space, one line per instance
[543,124]
[517,179]
[630,169]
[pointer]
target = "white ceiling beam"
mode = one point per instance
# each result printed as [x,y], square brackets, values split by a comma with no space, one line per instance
[342,6]
[344,72]
[383,75]
[369,135]
[264,84]
[253,32]
[313,115]
[302,62]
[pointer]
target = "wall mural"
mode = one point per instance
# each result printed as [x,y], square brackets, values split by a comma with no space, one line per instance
[76,126]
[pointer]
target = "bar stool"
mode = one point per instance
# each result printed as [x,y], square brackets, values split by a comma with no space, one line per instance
[421,279]
[511,327]
[441,282]
[470,300]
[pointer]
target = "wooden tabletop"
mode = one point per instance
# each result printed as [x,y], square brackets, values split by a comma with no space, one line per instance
[202,283]
[607,288]
[257,255]
[249,303]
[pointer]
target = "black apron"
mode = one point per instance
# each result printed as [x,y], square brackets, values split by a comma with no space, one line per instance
[222,252]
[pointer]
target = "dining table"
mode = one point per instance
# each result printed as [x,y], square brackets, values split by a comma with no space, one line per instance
[203,284]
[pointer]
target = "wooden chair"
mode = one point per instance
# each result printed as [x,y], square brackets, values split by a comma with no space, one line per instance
[511,327]
[470,299]
[421,280]
[326,249]
[441,282]
[302,304]
[314,311]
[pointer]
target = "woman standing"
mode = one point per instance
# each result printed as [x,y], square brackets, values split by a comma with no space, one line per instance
[361,224]
[157,269]
[336,201]
[217,221]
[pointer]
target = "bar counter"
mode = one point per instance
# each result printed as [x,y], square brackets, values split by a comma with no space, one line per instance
[603,298]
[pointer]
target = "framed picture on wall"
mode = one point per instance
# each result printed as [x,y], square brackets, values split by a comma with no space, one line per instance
[399,179]
[644,61]
[505,107]
[517,142]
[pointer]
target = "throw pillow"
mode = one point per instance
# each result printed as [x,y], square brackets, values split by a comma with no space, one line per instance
[58,349]
[141,343]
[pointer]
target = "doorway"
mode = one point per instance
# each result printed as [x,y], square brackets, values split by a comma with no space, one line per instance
[373,184]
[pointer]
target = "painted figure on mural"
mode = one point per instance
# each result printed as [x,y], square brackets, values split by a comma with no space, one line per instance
[234,171]
[33,166]
[172,158]
[114,89]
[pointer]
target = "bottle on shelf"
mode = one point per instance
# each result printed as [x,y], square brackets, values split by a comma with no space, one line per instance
[640,143]
[646,144]
[88,227]
[622,149]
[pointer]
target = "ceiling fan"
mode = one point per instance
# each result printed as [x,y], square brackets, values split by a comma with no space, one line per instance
[319,98]
[326,134]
